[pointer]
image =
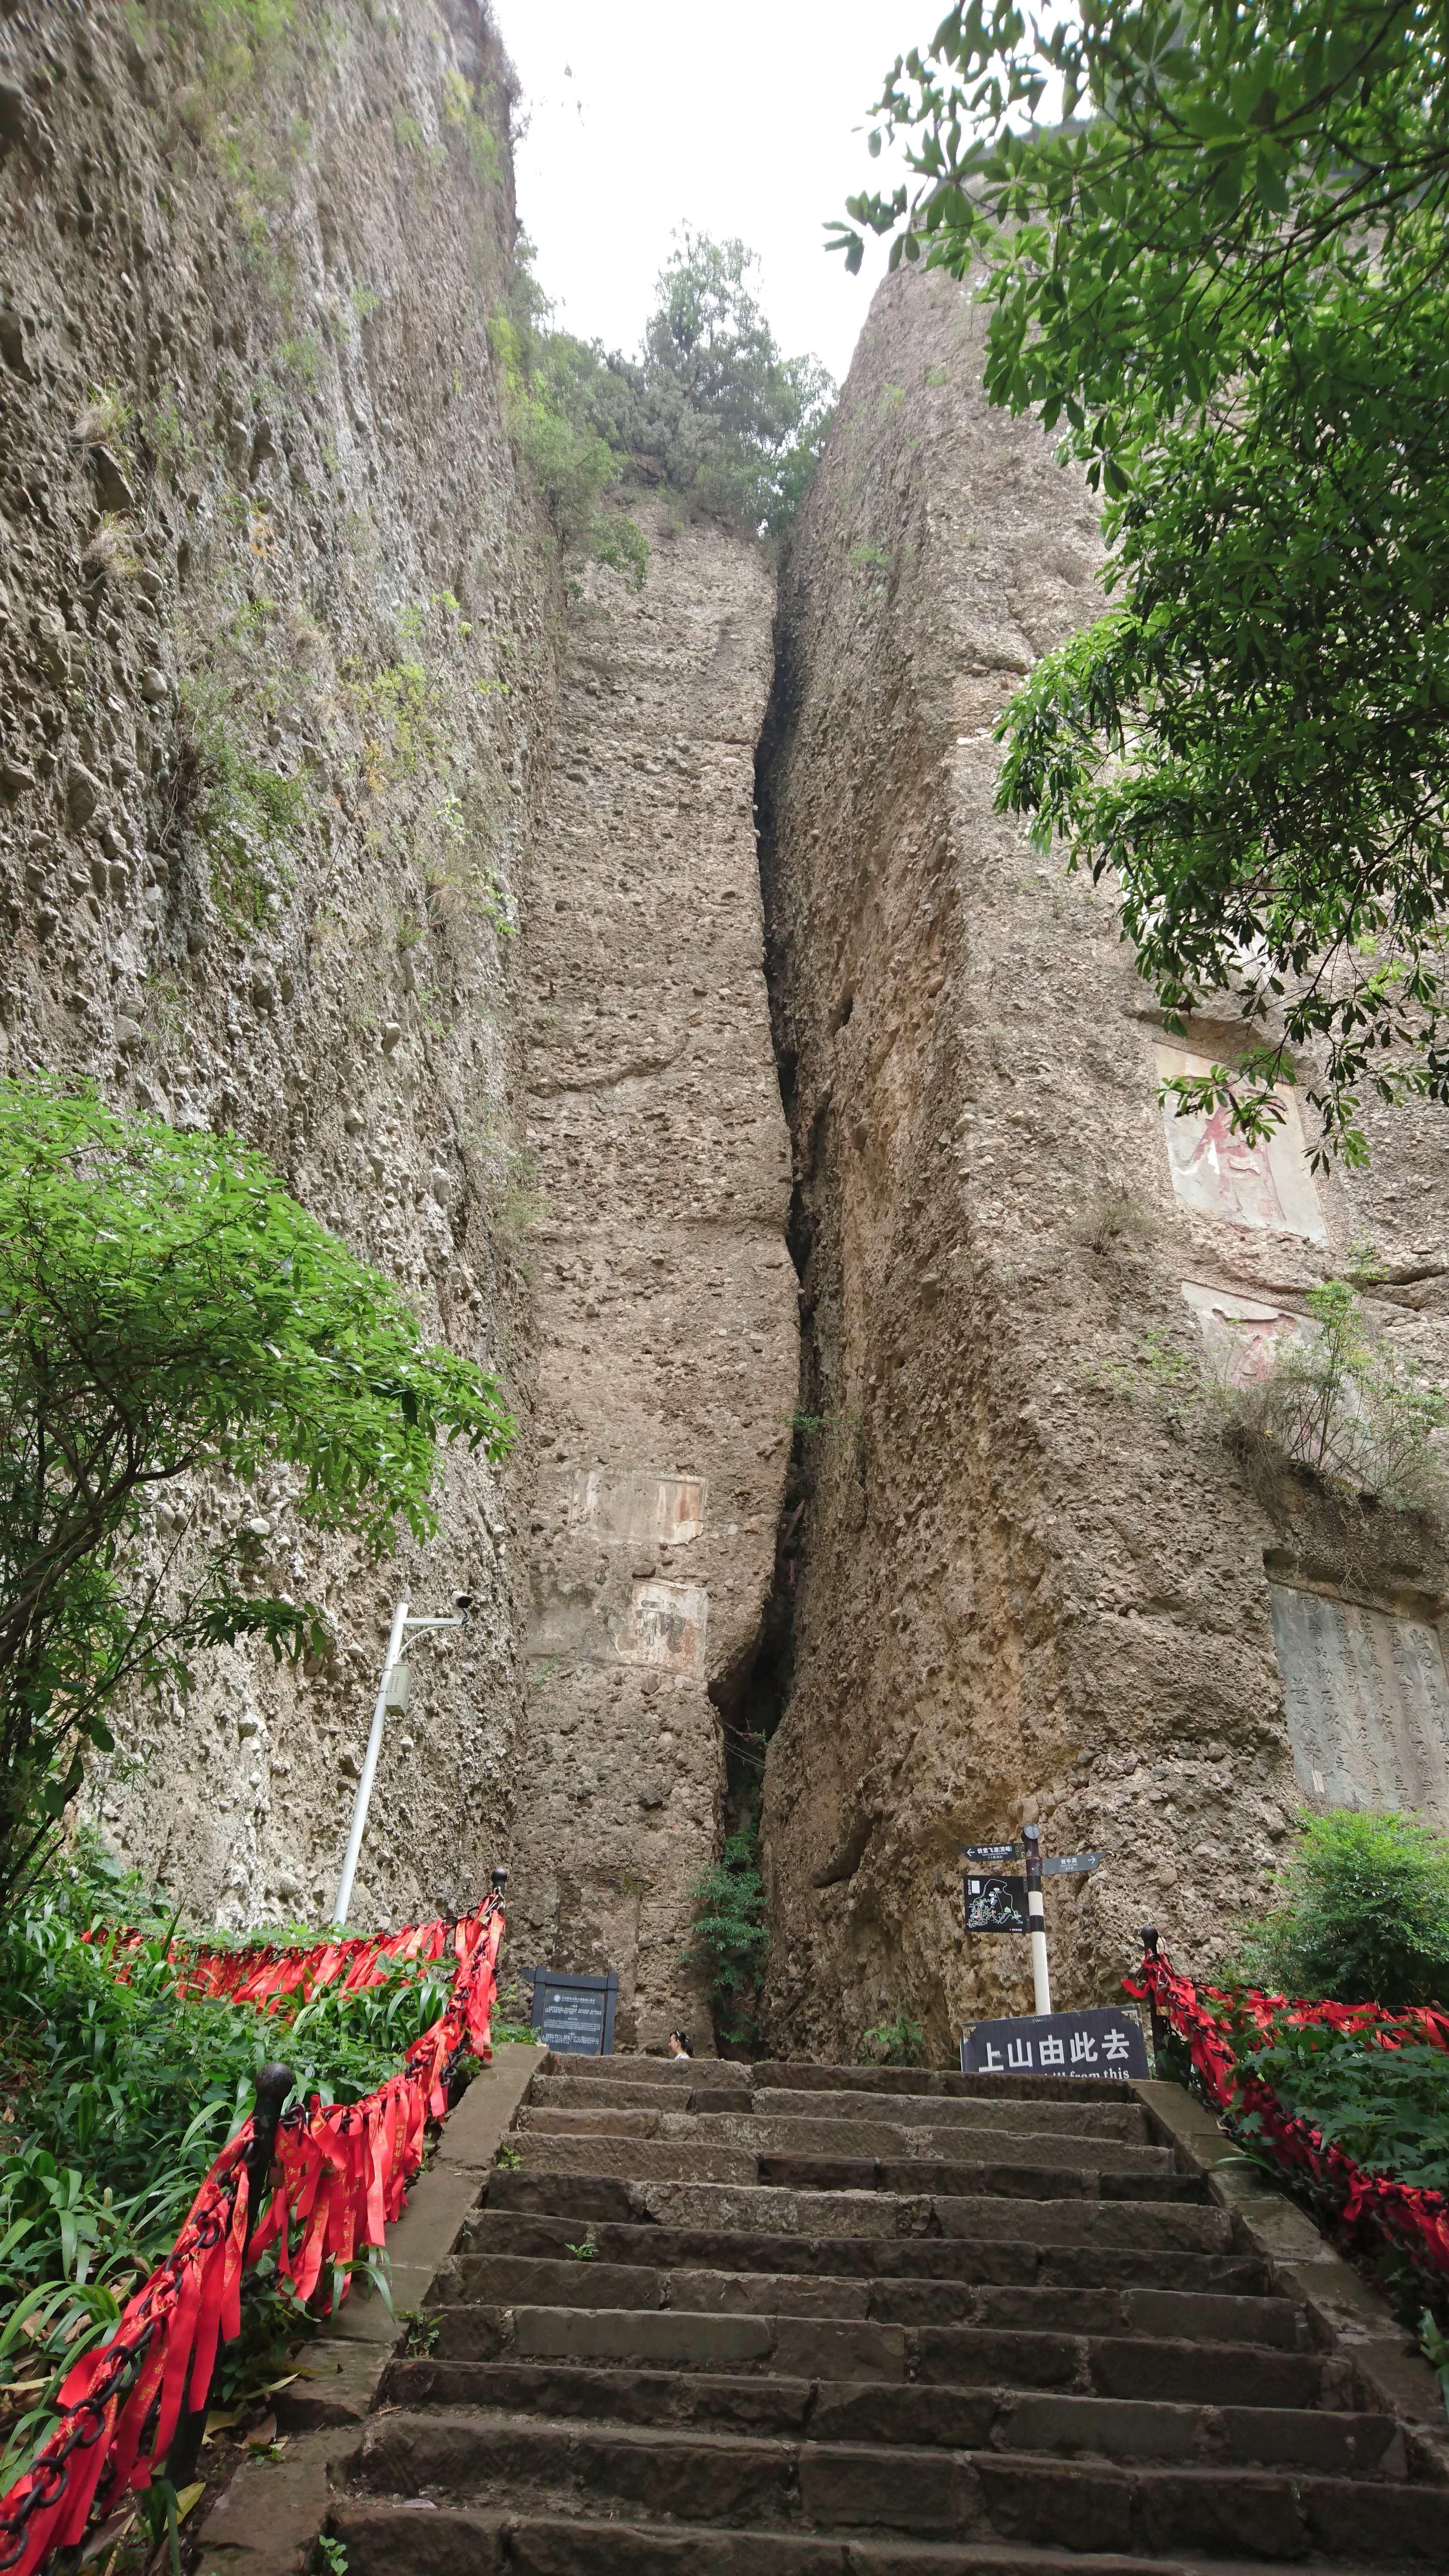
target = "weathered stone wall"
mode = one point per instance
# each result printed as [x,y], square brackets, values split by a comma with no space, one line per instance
[259,524]
[666,1302]
[1028,1578]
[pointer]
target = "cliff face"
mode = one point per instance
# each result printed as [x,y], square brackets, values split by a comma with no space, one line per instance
[666,1307]
[276,660]
[330,814]
[1028,1580]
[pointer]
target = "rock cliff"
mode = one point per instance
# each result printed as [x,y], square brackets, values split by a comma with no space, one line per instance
[1027,1578]
[664,1296]
[333,814]
[276,651]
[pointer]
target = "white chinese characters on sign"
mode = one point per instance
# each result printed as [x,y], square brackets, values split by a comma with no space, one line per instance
[1102,2043]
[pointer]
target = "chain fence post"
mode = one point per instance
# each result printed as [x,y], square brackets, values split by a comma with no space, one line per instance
[274,2083]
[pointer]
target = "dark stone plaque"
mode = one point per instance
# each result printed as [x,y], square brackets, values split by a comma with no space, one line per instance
[994,1903]
[575,2014]
[1068,2043]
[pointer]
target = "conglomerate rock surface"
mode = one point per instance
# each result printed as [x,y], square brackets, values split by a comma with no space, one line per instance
[337,812]
[260,539]
[1028,1579]
[668,1346]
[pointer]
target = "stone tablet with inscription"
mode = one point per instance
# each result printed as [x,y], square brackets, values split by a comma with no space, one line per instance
[574,2014]
[1068,2043]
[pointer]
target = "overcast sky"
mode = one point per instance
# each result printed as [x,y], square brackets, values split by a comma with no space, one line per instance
[645,115]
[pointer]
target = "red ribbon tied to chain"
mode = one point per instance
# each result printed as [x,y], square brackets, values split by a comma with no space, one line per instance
[1413,2219]
[343,2174]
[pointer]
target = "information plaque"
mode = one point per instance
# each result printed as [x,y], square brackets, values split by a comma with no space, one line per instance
[575,2014]
[1068,2043]
[995,1903]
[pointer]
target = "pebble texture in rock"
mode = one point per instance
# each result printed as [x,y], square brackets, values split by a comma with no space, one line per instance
[276,669]
[668,1348]
[1028,1579]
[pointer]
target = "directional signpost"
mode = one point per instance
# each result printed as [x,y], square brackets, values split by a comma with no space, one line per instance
[999,1899]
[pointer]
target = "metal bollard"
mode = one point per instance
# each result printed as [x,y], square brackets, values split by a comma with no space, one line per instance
[1159,2027]
[274,2083]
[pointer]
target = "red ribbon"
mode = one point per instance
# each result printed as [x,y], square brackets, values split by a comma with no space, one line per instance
[1414,2220]
[344,2174]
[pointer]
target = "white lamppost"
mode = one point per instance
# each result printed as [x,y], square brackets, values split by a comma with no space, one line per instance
[392,1692]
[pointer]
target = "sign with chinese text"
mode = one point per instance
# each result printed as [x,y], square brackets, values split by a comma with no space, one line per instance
[989,1853]
[574,2014]
[1068,2043]
[995,1904]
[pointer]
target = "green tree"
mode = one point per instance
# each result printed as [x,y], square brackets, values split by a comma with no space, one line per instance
[730,1938]
[722,415]
[561,403]
[710,409]
[1222,277]
[167,1311]
[1363,1916]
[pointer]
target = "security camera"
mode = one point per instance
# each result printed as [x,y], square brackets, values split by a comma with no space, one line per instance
[463,1603]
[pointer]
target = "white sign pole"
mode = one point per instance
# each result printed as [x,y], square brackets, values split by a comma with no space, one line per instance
[363,1799]
[1041,1982]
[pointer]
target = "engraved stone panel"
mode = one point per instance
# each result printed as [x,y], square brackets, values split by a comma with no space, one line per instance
[632,1503]
[1368,1702]
[664,1626]
[1267,1186]
[1244,1336]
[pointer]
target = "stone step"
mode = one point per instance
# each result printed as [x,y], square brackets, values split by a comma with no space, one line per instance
[1004,2262]
[507,2280]
[654,2159]
[379,2539]
[856,2408]
[1192,2226]
[1221,2510]
[910,2082]
[622,2093]
[875,2138]
[925,2083]
[1124,2120]
[1129,2367]
[675,2074]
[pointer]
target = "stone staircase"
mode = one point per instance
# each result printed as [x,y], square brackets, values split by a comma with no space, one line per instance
[822,2321]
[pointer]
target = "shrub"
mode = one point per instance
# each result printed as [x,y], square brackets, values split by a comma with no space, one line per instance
[1387,2107]
[895,2043]
[1365,1917]
[116,2099]
[730,1939]
[167,1312]
[1349,1407]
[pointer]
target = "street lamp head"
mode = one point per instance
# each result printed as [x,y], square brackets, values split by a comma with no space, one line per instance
[463,1603]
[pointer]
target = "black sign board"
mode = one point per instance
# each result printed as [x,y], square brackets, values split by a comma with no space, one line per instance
[1068,2043]
[995,1904]
[575,2015]
[1077,1867]
[988,1852]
